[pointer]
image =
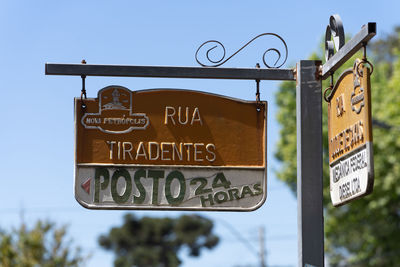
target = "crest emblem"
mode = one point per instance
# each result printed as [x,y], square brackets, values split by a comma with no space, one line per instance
[357,96]
[115,112]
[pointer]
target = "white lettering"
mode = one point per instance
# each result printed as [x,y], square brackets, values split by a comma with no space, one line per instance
[141,152]
[154,144]
[188,145]
[164,150]
[126,150]
[210,149]
[169,115]
[180,115]
[197,151]
[178,152]
[196,116]
[111,143]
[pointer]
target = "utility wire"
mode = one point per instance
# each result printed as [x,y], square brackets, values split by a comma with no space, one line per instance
[384,125]
[239,237]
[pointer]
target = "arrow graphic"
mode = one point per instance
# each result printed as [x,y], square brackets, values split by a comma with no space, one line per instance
[86,186]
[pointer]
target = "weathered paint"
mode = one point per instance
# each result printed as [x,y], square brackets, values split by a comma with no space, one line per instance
[175,140]
[350,136]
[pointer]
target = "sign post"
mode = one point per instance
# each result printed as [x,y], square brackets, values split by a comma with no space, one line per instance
[309,164]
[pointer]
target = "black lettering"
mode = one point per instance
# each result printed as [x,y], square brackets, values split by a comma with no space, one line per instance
[120,199]
[258,189]
[233,194]
[209,199]
[142,192]
[156,175]
[223,199]
[182,188]
[246,191]
[203,183]
[100,172]
[220,181]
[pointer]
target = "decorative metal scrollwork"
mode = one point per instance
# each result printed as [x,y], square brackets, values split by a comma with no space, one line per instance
[334,31]
[221,61]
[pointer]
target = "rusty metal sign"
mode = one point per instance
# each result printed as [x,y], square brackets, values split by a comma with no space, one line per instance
[169,149]
[350,136]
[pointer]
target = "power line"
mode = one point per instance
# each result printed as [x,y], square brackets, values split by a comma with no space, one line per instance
[384,125]
[262,248]
[239,236]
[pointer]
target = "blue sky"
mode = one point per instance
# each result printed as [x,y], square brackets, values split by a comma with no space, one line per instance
[37,111]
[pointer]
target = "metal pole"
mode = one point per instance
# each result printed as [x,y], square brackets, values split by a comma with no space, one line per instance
[309,164]
[262,248]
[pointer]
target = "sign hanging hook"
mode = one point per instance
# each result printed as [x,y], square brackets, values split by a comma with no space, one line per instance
[258,90]
[364,61]
[83,91]
[329,89]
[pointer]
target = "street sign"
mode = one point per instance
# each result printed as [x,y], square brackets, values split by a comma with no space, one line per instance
[107,181]
[169,149]
[350,136]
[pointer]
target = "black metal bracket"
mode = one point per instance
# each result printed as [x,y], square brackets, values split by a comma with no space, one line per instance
[170,72]
[216,44]
[344,51]
[204,72]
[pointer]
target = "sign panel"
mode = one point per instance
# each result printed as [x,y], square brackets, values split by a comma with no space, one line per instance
[350,136]
[169,149]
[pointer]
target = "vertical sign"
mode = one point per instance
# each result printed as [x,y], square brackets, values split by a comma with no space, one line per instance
[170,149]
[350,136]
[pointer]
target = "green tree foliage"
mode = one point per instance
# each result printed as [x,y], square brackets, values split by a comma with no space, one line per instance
[44,245]
[386,49]
[365,232]
[157,241]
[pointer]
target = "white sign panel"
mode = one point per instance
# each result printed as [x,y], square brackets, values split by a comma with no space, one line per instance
[347,176]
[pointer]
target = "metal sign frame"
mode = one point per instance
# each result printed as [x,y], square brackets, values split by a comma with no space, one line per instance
[309,75]
[211,186]
[169,72]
